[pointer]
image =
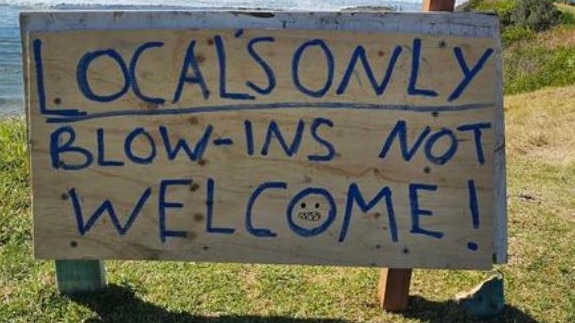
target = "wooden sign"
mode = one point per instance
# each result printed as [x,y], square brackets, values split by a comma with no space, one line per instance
[329,138]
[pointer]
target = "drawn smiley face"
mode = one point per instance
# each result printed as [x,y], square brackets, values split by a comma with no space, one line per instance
[311,212]
[308,213]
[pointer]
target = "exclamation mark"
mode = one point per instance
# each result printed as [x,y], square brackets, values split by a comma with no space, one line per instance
[249,137]
[474,212]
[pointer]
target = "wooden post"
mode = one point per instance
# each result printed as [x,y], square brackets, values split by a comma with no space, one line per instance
[75,276]
[394,289]
[394,283]
[438,5]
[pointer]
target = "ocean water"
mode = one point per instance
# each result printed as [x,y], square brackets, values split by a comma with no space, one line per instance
[11,84]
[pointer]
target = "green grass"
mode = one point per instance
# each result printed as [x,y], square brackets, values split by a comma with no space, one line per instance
[489,5]
[568,13]
[538,278]
[536,62]
[532,60]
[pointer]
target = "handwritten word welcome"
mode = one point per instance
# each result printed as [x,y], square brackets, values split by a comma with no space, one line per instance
[354,199]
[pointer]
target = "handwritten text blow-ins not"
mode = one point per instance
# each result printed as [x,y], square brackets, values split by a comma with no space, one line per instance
[143,146]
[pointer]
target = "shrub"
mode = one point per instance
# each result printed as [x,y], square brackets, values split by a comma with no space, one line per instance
[503,8]
[538,15]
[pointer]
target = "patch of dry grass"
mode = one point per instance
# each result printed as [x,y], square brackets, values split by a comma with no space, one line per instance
[540,136]
[561,36]
[541,125]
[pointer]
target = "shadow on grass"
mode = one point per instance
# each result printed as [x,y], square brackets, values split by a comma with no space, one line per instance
[449,311]
[120,304]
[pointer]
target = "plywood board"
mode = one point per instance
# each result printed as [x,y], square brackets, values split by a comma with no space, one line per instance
[272,145]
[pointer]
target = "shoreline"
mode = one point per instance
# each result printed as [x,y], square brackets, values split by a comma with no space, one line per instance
[7,117]
[13,110]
